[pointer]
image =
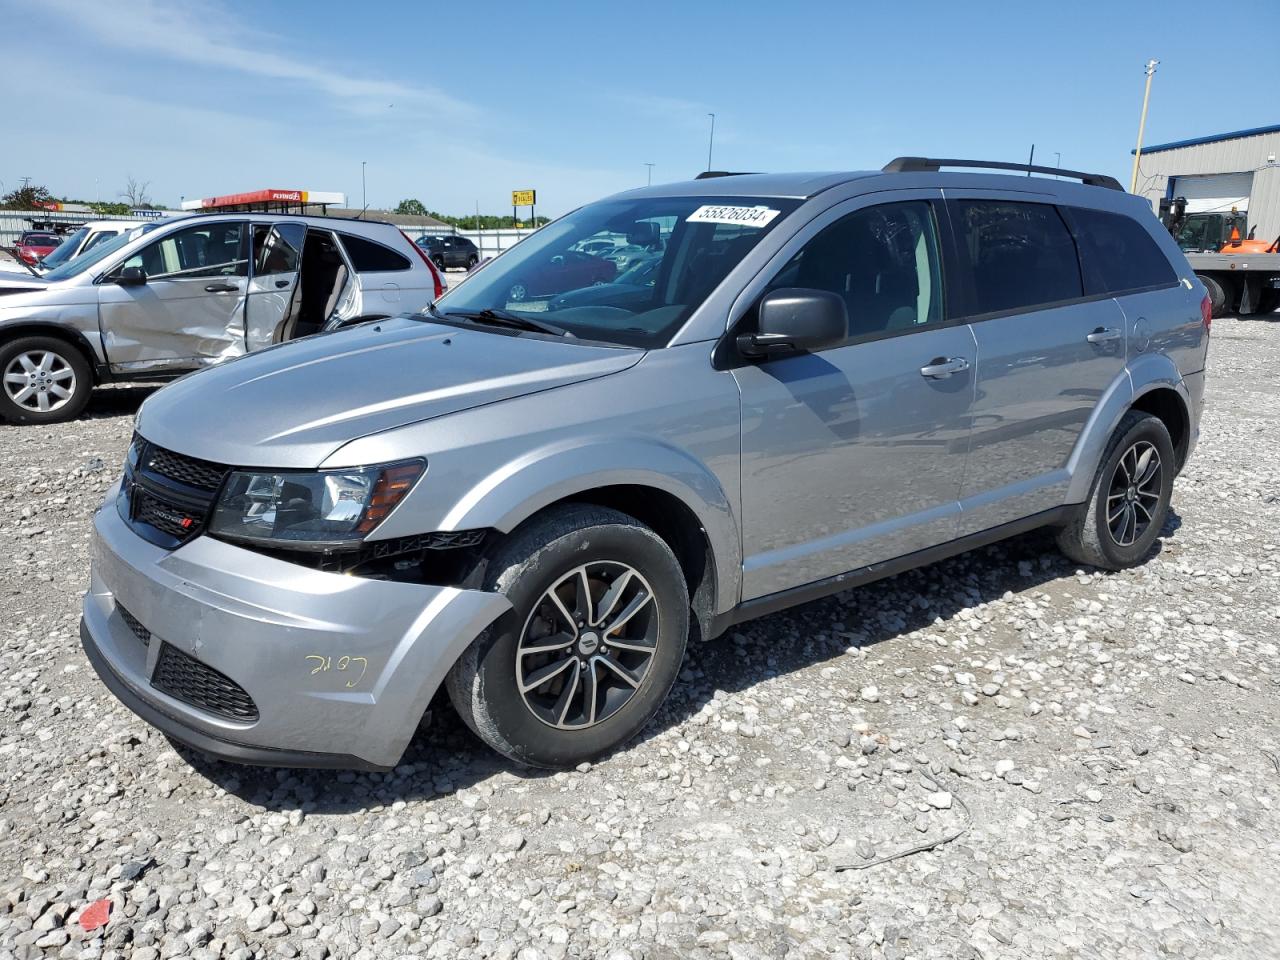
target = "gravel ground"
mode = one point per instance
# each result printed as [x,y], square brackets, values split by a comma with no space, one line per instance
[1109,744]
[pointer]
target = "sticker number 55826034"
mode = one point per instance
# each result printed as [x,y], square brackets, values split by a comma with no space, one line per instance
[758,216]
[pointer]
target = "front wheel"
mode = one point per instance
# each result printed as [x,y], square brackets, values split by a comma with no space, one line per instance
[591,646]
[44,380]
[1129,502]
[472,261]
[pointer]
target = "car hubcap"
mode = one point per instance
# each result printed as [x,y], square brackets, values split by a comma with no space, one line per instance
[39,380]
[1134,495]
[587,645]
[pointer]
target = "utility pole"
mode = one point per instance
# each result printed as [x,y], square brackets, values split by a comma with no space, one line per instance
[712,140]
[649,182]
[1142,124]
[364,199]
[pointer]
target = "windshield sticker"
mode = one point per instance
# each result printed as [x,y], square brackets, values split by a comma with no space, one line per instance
[742,216]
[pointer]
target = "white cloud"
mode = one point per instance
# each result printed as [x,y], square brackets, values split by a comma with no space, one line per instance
[208,35]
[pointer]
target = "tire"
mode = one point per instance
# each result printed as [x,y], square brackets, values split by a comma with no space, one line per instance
[1217,295]
[1088,538]
[439,262]
[472,261]
[1269,301]
[551,725]
[57,367]
[518,292]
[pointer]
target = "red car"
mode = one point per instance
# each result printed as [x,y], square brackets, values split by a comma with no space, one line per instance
[566,271]
[33,245]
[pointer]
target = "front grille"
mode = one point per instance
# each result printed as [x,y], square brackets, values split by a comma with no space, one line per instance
[132,622]
[166,516]
[198,684]
[200,474]
[170,494]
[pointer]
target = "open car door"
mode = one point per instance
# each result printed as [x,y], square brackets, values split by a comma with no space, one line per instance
[274,282]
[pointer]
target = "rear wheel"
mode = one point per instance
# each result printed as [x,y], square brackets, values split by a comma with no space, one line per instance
[1129,502]
[472,261]
[591,646]
[43,380]
[439,262]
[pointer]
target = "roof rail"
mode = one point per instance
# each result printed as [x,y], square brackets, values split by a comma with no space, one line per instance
[709,174]
[931,165]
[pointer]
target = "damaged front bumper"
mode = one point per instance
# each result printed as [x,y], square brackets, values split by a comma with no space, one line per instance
[257,660]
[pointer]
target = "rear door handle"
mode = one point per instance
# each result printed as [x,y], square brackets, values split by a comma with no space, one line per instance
[939,368]
[220,288]
[281,284]
[1104,335]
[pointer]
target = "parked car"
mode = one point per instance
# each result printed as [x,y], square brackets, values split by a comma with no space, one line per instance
[307,543]
[630,289]
[564,270]
[33,245]
[450,251]
[624,256]
[82,241]
[171,296]
[597,248]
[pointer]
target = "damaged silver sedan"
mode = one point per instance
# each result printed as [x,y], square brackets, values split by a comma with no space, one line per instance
[176,295]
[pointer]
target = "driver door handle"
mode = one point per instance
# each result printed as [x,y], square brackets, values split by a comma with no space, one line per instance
[281,284]
[220,288]
[939,368]
[1104,335]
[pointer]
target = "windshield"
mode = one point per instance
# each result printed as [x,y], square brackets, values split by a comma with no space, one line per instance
[78,265]
[66,249]
[689,243]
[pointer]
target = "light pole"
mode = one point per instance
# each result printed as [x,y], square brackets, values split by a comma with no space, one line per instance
[712,140]
[364,199]
[649,181]
[1057,161]
[1142,124]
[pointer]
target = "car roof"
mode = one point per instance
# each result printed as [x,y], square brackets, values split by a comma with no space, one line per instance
[803,186]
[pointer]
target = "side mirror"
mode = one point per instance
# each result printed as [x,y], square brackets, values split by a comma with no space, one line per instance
[131,277]
[797,319]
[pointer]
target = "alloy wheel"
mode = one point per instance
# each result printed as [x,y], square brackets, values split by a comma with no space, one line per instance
[587,645]
[1133,497]
[40,381]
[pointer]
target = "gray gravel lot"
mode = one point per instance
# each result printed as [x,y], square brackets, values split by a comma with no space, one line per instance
[1110,742]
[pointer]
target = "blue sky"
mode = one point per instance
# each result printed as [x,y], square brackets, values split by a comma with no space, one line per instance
[459,103]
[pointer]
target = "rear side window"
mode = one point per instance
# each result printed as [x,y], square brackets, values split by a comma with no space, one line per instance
[369,257]
[1019,256]
[1118,254]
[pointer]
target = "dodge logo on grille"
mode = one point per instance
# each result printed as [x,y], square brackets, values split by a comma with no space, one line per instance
[169,516]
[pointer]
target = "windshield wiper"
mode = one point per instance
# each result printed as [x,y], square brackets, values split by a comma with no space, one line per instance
[503,318]
[30,269]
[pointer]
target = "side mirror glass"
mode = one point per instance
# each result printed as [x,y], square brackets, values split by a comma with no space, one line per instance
[131,277]
[794,320]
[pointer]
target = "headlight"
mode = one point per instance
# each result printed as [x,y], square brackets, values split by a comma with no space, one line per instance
[311,510]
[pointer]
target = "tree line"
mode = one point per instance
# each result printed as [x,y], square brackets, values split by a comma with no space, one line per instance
[416,208]
[36,197]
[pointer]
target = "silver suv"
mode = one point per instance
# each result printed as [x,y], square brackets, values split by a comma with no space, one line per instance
[171,296]
[833,378]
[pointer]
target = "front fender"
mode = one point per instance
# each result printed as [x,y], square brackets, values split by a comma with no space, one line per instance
[1147,372]
[507,496]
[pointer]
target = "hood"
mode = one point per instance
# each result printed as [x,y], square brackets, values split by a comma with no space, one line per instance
[295,404]
[15,279]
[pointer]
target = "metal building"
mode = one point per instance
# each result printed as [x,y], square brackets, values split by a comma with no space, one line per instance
[1239,169]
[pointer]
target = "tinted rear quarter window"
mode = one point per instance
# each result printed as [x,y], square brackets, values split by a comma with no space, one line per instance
[1119,254]
[370,257]
[1017,255]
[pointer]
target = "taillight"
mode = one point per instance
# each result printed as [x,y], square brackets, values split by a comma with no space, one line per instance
[1206,312]
[435,274]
